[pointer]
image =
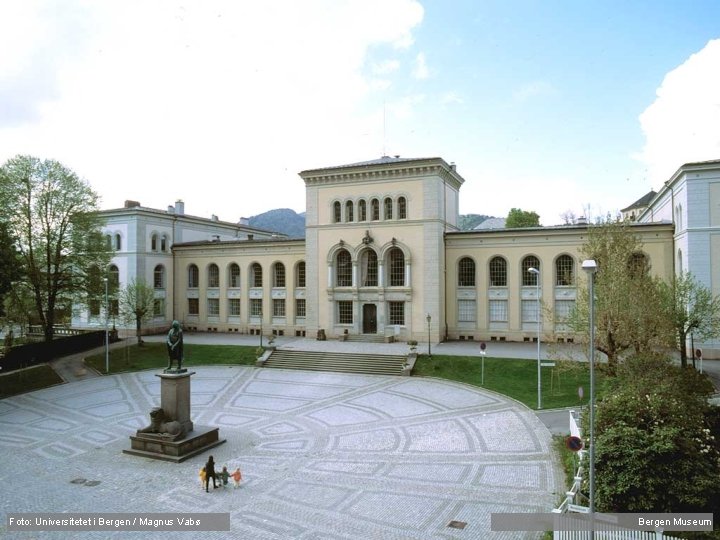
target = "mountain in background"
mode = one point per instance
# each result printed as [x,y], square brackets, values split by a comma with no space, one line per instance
[286,221]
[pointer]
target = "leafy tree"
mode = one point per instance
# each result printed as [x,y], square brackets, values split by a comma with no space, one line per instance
[51,214]
[18,305]
[656,441]
[629,312]
[691,307]
[137,303]
[10,269]
[517,218]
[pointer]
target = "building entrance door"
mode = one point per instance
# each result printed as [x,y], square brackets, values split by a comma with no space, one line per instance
[369,319]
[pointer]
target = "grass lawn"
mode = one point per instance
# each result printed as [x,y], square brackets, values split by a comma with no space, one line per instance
[515,378]
[27,380]
[154,356]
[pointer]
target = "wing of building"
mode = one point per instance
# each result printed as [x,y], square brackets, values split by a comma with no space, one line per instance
[383,256]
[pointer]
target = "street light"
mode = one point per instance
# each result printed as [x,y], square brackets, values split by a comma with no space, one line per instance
[590,266]
[428,319]
[107,316]
[537,294]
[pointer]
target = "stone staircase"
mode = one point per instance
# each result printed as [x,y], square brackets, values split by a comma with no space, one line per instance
[375,364]
[366,338]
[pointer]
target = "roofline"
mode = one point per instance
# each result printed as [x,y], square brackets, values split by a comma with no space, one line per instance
[239,242]
[553,229]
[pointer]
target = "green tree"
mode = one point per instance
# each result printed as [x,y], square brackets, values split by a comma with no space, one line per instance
[137,303]
[656,449]
[18,305]
[51,215]
[517,218]
[10,269]
[691,307]
[629,312]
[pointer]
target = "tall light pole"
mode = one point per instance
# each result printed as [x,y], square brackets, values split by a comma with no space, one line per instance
[107,316]
[537,294]
[429,319]
[590,266]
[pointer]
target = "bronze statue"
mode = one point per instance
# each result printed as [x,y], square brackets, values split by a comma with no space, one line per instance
[175,346]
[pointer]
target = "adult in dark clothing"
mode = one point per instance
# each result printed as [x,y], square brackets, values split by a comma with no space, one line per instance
[210,473]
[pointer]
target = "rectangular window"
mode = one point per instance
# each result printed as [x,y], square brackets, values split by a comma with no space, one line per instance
[234,307]
[159,307]
[301,274]
[256,307]
[114,308]
[467,311]
[300,307]
[345,312]
[563,308]
[397,312]
[529,310]
[498,311]
[234,276]
[94,307]
[213,307]
[278,307]
[193,306]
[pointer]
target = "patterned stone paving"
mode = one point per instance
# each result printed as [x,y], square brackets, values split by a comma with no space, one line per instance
[323,455]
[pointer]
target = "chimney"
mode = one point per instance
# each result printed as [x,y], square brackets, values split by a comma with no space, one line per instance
[453,166]
[180,207]
[582,220]
[171,209]
[244,221]
[215,218]
[250,237]
[132,204]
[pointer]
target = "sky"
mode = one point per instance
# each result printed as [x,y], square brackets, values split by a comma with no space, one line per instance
[548,106]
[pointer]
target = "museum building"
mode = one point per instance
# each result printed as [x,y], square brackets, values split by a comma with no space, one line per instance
[383,257]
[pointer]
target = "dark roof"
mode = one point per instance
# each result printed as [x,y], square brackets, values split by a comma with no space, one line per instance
[239,241]
[642,202]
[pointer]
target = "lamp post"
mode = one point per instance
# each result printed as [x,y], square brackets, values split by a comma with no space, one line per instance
[590,266]
[107,315]
[261,317]
[537,294]
[429,319]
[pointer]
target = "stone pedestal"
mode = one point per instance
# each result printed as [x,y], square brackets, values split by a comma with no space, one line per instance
[175,404]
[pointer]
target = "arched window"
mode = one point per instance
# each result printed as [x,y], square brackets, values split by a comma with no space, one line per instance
[337,212]
[388,208]
[234,276]
[300,274]
[118,242]
[193,277]
[349,211]
[163,243]
[279,275]
[256,275]
[680,261]
[374,210]
[113,280]
[529,278]
[213,276]
[369,269]
[397,268]
[343,269]
[564,271]
[108,241]
[638,264]
[466,272]
[159,277]
[362,210]
[154,242]
[498,272]
[402,208]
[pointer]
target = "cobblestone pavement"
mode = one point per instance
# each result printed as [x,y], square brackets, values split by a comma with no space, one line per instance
[323,455]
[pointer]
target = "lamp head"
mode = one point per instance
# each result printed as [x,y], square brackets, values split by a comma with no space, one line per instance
[534,271]
[590,266]
[428,318]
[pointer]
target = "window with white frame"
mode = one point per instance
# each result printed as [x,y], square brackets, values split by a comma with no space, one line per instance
[498,310]
[279,275]
[256,307]
[498,272]
[397,268]
[467,311]
[530,279]
[154,242]
[300,307]
[369,268]
[159,277]
[213,276]
[193,276]
[396,313]
[118,242]
[563,308]
[300,274]
[234,307]
[159,307]
[343,269]
[466,272]
[278,307]
[345,311]
[349,211]
[256,275]
[213,307]
[234,276]
[163,243]
[402,208]
[362,210]
[564,271]
[529,311]
[388,208]
[374,210]
[337,212]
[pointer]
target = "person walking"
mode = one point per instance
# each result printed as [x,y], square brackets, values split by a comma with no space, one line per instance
[236,476]
[210,473]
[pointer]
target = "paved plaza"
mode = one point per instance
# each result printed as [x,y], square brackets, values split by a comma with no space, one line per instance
[323,455]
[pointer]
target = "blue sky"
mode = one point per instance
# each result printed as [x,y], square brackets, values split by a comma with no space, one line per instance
[547,106]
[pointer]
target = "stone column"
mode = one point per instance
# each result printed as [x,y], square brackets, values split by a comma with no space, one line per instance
[175,397]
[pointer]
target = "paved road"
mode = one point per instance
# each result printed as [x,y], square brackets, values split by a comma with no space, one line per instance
[324,455]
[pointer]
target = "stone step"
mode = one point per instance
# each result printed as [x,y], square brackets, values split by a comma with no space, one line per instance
[340,362]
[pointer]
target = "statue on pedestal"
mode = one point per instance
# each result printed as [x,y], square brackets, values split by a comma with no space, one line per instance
[175,347]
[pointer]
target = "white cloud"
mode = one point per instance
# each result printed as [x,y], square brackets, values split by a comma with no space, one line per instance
[219,103]
[683,123]
[421,70]
[451,97]
[533,89]
[385,67]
